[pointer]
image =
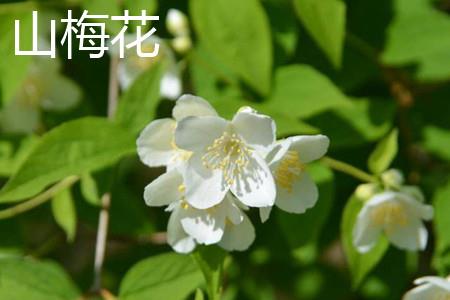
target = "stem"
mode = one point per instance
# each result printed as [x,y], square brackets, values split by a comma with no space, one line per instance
[348,169]
[39,199]
[211,262]
[103,220]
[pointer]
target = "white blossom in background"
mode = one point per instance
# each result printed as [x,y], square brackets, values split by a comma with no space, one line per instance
[132,66]
[296,191]
[227,156]
[394,210]
[430,288]
[156,144]
[178,25]
[44,88]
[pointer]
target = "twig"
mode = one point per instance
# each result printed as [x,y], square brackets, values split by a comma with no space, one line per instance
[348,169]
[39,199]
[103,221]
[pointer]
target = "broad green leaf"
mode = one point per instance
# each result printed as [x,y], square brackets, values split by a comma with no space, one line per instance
[314,218]
[300,91]
[419,35]
[441,203]
[360,264]
[166,276]
[13,69]
[325,22]
[9,161]
[238,33]
[89,189]
[437,140]
[22,278]
[65,214]
[74,148]
[384,153]
[137,107]
[366,120]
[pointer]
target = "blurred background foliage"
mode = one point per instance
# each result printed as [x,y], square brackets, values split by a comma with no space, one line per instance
[352,70]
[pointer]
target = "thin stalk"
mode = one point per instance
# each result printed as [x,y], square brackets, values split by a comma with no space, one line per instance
[39,199]
[103,220]
[348,169]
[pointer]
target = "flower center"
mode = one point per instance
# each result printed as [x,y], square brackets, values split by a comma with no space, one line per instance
[390,215]
[288,170]
[229,154]
[181,155]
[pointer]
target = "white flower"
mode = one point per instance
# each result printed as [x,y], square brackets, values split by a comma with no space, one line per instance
[396,213]
[296,192]
[44,88]
[227,156]
[224,223]
[430,288]
[132,66]
[156,144]
[177,23]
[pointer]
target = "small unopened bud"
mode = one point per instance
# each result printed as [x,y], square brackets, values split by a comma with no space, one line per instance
[392,178]
[182,44]
[177,23]
[366,191]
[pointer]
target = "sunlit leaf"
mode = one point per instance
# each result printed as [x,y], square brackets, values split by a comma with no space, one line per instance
[384,153]
[64,213]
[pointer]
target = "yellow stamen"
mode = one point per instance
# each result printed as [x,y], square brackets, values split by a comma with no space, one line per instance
[288,170]
[229,154]
[390,215]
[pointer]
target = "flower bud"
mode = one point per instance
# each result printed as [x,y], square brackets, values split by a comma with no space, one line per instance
[177,23]
[366,191]
[392,178]
[182,44]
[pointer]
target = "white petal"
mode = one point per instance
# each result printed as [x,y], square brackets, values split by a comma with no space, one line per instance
[277,151]
[171,86]
[62,94]
[204,188]
[304,195]
[177,22]
[264,213]
[256,129]
[238,237]
[415,207]
[197,133]
[155,143]
[192,106]
[206,226]
[411,237]
[365,233]
[436,281]
[424,292]
[164,190]
[310,147]
[126,75]
[176,236]
[232,211]
[255,187]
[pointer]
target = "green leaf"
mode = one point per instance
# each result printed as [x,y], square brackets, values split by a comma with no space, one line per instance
[238,32]
[366,120]
[137,107]
[441,204]
[384,153]
[167,276]
[13,68]
[437,141]
[199,295]
[314,218]
[360,264]
[65,213]
[300,91]
[75,147]
[28,279]
[419,35]
[325,22]
[89,189]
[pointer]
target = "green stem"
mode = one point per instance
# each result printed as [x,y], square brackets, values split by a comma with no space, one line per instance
[348,169]
[211,262]
[39,199]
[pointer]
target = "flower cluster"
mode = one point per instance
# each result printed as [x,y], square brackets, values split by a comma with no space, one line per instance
[217,169]
[393,209]
[430,287]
